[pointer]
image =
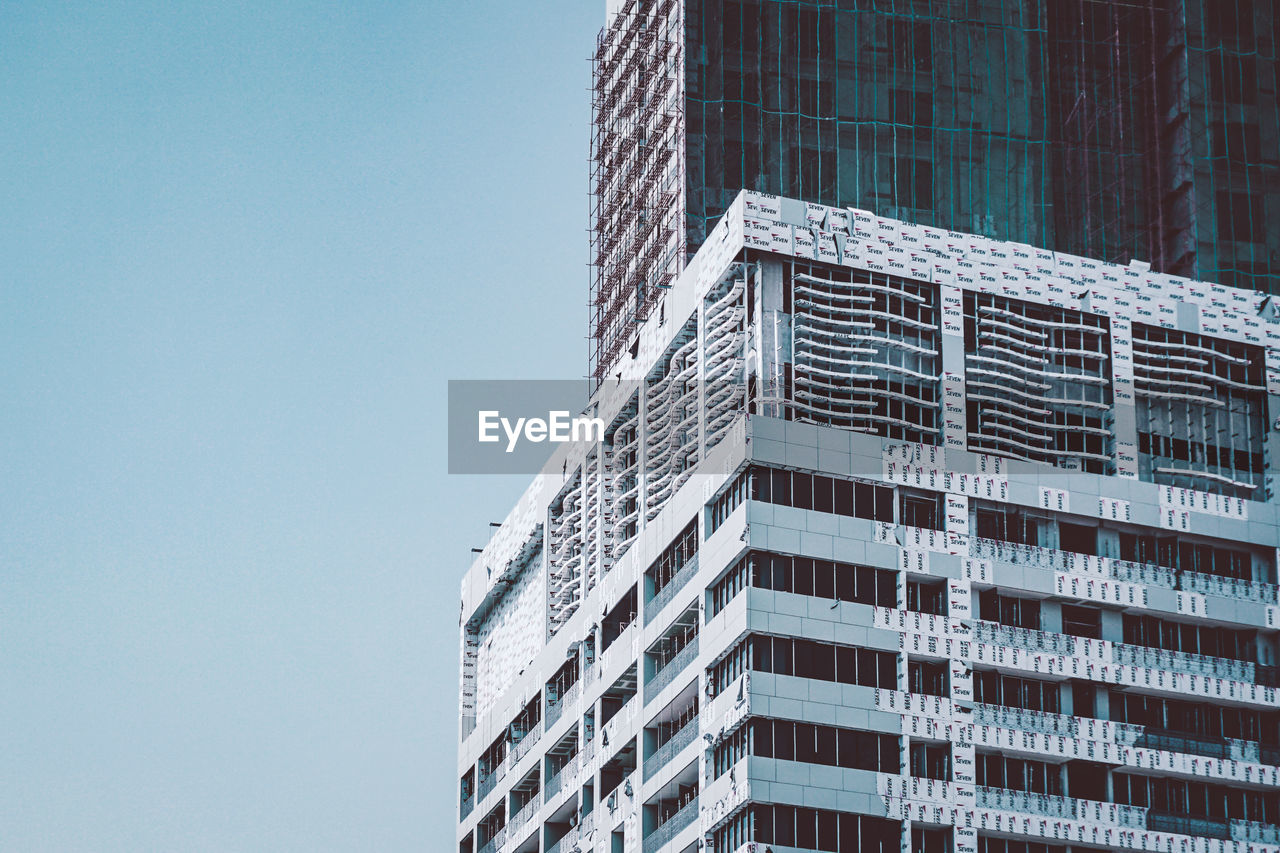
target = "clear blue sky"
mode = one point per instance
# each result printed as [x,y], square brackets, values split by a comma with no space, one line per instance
[242,248]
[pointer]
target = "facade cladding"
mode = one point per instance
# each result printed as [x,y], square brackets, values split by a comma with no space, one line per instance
[1147,129]
[898,539]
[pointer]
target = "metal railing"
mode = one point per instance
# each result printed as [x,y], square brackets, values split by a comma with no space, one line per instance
[1073,808]
[671,748]
[487,784]
[1031,721]
[1267,593]
[555,707]
[669,828]
[654,606]
[1186,662]
[1183,825]
[466,807]
[521,748]
[1026,639]
[671,669]
[521,817]
[1252,831]
[1131,571]
[1007,800]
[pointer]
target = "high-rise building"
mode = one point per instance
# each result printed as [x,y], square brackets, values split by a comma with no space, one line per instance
[898,539]
[935,506]
[1142,129]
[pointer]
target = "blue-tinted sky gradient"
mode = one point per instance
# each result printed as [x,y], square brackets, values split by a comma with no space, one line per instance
[243,246]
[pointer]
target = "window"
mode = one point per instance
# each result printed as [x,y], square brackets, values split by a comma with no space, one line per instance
[1209,640]
[1240,217]
[829,745]
[917,509]
[996,770]
[1009,610]
[1081,621]
[992,688]
[928,677]
[823,661]
[931,760]
[824,579]
[728,500]
[824,494]
[821,829]
[926,597]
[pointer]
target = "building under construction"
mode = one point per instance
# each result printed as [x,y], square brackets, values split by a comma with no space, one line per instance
[1114,130]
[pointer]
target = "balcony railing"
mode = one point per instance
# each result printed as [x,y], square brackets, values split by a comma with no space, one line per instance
[488,783]
[669,828]
[671,748]
[465,808]
[521,817]
[1044,722]
[1131,571]
[1071,808]
[1193,664]
[1184,825]
[566,772]
[654,606]
[521,748]
[495,842]
[1267,593]
[671,669]
[1026,639]
[555,707]
[1257,833]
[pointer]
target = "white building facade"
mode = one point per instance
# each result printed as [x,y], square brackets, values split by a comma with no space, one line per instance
[898,539]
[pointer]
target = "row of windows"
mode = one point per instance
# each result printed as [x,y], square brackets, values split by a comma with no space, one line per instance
[1196,718]
[1009,610]
[993,688]
[822,494]
[811,829]
[1199,453]
[728,501]
[996,770]
[806,659]
[813,744]
[1175,553]
[1211,640]
[1169,796]
[805,576]
[1022,526]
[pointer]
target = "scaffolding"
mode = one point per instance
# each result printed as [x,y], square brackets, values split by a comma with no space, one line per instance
[637,173]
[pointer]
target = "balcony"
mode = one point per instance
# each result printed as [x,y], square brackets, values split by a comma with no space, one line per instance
[1148,574]
[1067,808]
[495,842]
[1026,639]
[654,606]
[555,707]
[671,827]
[521,748]
[1267,593]
[466,807]
[1256,833]
[1192,664]
[554,783]
[671,748]
[489,782]
[1184,825]
[1059,725]
[671,669]
[521,817]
